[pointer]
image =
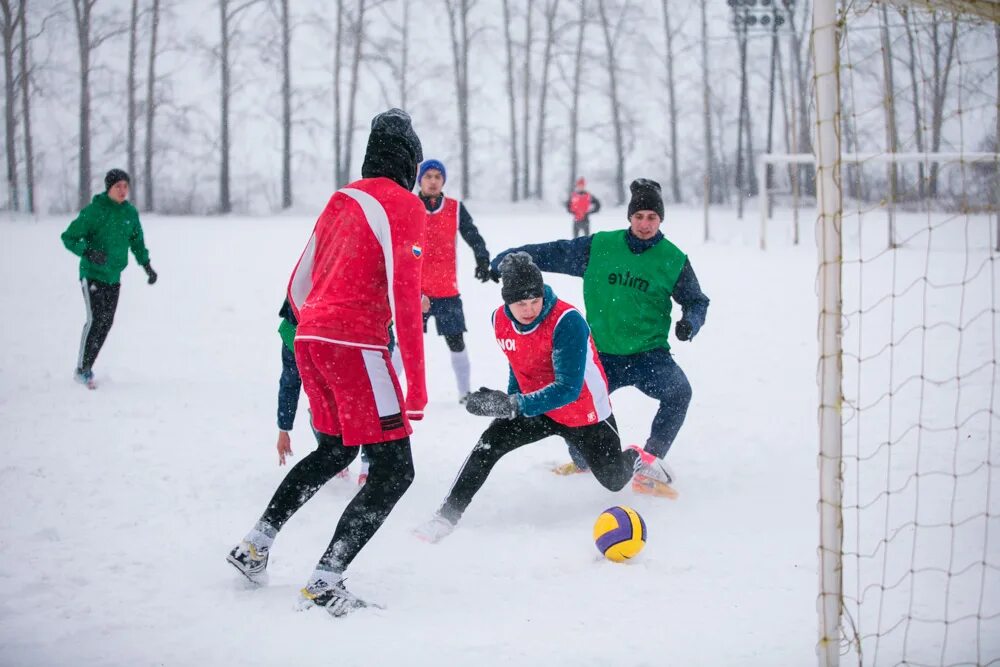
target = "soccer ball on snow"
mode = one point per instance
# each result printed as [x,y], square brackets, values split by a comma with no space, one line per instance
[620,533]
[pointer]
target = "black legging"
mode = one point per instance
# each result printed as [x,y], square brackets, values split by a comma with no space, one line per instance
[101,301]
[389,475]
[455,342]
[599,443]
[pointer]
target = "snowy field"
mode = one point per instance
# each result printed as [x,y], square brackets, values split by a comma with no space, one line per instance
[121,504]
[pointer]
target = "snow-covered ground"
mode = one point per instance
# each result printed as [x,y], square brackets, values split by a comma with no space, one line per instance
[120,504]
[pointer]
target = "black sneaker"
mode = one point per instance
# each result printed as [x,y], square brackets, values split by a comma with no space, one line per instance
[250,560]
[332,597]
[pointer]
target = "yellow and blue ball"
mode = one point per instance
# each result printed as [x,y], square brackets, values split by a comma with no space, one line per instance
[620,533]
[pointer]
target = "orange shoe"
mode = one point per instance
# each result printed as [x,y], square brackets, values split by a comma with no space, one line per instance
[651,476]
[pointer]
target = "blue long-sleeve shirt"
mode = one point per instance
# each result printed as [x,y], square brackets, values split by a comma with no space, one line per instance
[571,257]
[288,390]
[570,346]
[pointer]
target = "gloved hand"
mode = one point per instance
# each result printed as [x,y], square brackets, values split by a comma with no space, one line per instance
[148,268]
[95,256]
[683,330]
[483,273]
[492,403]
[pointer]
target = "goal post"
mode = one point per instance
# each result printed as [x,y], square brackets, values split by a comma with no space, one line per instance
[908,289]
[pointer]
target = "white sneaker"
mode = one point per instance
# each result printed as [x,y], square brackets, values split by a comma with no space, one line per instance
[434,530]
[652,477]
[333,597]
[250,560]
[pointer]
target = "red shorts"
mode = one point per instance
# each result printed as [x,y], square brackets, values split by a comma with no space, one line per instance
[353,392]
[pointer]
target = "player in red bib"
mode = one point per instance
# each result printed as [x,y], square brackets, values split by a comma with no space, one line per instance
[359,271]
[582,204]
[446,219]
[556,387]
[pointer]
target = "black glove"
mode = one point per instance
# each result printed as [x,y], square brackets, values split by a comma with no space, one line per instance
[483,273]
[148,268]
[95,256]
[683,330]
[491,403]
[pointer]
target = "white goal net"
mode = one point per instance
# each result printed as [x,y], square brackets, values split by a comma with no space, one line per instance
[909,332]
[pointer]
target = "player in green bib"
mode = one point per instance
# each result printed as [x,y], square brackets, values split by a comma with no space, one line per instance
[631,278]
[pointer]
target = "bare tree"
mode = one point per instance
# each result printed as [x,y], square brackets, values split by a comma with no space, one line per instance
[151,106]
[29,152]
[9,28]
[228,13]
[616,114]
[918,124]
[939,90]
[458,24]
[550,11]
[131,118]
[352,101]
[286,109]
[404,68]
[526,123]
[574,109]
[339,177]
[675,183]
[706,113]
[891,134]
[512,103]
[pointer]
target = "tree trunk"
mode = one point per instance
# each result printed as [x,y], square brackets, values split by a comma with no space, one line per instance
[799,90]
[225,202]
[515,170]
[706,118]
[81,14]
[741,38]
[352,101]
[286,109]
[941,74]
[405,54]
[458,24]
[151,106]
[10,98]
[339,178]
[133,45]
[574,109]
[768,168]
[918,124]
[675,181]
[526,125]
[615,109]
[891,135]
[551,8]
[29,153]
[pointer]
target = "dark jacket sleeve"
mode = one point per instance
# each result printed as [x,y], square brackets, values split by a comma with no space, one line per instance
[470,234]
[595,204]
[570,345]
[569,257]
[694,303]
[288,390]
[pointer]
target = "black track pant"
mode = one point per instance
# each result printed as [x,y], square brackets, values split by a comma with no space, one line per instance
[389,475]
[599,443]
[101,301]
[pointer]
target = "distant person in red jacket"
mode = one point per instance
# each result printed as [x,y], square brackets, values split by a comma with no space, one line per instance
[581,204]
[447,218]
[360,270]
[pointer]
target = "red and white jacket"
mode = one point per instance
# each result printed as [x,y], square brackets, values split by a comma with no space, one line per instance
[361,270]
[440,277]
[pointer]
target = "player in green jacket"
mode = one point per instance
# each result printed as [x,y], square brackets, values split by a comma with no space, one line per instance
[101,236]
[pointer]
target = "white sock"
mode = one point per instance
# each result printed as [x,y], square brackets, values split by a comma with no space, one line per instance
[460,362]
[329,576]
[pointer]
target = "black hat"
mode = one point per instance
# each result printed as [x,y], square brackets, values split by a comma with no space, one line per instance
[645,197]
[394,149]
[521,278]
[114,176]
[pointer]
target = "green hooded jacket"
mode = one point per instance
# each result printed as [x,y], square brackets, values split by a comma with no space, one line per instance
[109,227]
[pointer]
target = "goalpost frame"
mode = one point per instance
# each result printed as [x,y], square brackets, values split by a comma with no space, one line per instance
[829,199]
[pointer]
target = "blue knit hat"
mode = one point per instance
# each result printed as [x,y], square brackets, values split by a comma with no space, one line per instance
[432,164]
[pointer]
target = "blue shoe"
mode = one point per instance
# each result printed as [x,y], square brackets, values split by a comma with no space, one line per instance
[85,377]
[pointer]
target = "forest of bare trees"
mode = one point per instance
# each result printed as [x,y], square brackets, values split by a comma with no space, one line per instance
[262,105]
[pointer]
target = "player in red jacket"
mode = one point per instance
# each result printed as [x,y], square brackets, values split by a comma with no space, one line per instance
[360,270]
[448,218]
[581,204]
